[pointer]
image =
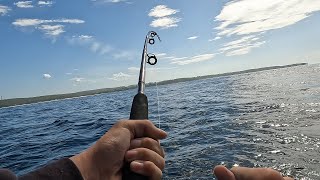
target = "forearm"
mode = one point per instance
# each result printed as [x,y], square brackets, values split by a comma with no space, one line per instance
[58,170]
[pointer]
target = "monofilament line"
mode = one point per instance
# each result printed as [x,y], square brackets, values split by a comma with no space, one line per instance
[159,121]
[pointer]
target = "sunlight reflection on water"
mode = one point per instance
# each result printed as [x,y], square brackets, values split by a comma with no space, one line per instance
[261,119]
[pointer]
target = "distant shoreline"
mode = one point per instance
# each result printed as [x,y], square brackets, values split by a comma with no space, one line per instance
[31,100]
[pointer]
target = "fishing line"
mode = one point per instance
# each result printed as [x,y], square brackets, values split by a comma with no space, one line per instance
[158,98]
[139,108]
[159,119]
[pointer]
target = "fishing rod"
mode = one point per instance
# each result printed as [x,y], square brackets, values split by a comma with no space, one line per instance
[139,108]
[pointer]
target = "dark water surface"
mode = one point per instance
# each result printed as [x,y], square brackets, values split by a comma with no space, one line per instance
[262,119]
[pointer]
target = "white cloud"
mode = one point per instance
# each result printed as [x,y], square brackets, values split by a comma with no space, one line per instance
[162,11]
[164,18]
[134,69]
[52,31]
[111,1]
[45,3]
[241,46]
[247,20]
[24,4]
[4,10]
[120,76]
[193,37]
[81,39]
[127,55]
[85,37]
[91,43]
[27,22]
[155,69]
[100,48]
[77,79]
[115,1]
[150,69]
[104,49]
[194,59]
[95,46]
[46,76]
[165,22]
[214,39]
[160,54]
[251,16]
[178,58]
[34,22]
[168,57]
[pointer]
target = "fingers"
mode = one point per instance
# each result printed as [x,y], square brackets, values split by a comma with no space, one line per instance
[222,173]
[148,143]
[146,162]
[146,168]
[242,173]
[142,128]
[143,154]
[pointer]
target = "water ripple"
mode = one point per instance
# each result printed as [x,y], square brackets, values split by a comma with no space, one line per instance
[261,119]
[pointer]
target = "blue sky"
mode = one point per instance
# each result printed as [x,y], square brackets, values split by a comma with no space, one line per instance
[50,47]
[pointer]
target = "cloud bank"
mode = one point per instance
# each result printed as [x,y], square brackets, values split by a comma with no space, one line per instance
[247,18]
[250,16]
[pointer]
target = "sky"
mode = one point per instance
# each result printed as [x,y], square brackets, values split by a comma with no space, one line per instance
[53,47]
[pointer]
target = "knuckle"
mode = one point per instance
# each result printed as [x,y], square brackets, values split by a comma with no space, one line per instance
[121,123]
[148,142]
[143,153]
[148,123]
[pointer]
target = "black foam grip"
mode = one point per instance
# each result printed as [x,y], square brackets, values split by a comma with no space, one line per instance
[139,110]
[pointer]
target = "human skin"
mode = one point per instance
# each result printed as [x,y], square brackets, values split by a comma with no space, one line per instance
[243,173]
[135,142]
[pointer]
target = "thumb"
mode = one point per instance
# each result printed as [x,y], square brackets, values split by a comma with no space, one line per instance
[243,173]
[143,128]
[222,173]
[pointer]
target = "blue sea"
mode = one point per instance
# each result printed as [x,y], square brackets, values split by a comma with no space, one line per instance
[261,119]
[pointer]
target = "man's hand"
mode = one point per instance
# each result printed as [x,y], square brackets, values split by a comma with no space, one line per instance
[132,141]
[242,173]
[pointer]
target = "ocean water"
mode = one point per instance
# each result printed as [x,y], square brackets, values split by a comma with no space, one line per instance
[262,119]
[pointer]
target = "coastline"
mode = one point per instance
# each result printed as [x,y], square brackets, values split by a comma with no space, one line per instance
[31,100]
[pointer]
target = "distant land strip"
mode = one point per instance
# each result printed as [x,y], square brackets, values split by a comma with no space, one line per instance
[21,101]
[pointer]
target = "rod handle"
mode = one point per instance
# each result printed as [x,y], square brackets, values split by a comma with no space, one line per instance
[139,110]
